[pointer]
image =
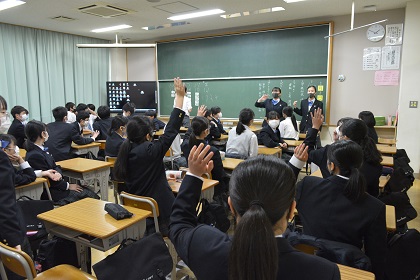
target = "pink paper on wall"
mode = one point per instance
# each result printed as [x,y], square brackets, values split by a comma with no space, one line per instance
[387,78]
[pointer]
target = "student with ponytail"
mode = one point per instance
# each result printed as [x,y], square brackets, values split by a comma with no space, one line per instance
[262,193]
[116,136]
[242,142]
[288,127]
[140,159]
[338,208]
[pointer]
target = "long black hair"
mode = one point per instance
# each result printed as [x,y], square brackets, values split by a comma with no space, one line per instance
[245,117]
[137,130]
[198,125]
[288,111]
[348,157]
[357,131]
[116,123]
[262,190]
[368,118]
[33,130]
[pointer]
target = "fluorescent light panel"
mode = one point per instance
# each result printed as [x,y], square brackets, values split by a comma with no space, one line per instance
[247,13]
[166,25]
[293,1]
[10,4]
[197,14]
[111,28]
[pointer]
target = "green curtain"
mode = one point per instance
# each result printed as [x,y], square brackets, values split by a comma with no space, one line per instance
[41,70]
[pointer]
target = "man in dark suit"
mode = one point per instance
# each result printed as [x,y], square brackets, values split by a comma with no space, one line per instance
[307,106]
[274,104]
[62,134]
[103,122]
[17,128]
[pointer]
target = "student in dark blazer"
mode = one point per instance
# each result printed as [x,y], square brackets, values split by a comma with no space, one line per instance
[307,106]
[17,128]
[116,136]
[262,193]
[338,208]
[216,115]
[355,130]
[370,122]
[103,122]
[274,104]
[269,136]
[214,132]
[62,134]
[140,159]
[157,124]
[40,159]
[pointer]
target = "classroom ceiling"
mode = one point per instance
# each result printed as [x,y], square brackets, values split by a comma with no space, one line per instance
[154,13]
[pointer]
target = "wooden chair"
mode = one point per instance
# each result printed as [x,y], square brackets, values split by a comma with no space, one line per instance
[115,183]
[149,204]
[170,155]
[20,263]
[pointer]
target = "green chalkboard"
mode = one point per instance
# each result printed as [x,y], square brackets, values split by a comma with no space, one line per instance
[234,95]
[233,71]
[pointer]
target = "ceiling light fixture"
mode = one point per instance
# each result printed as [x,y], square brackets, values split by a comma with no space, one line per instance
[10,4]
[197,14]
[111,28]
[293,1]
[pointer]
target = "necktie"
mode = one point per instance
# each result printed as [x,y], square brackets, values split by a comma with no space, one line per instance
[275,102]
[310,103]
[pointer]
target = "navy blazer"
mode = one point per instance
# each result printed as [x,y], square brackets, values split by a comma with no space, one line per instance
[206,249]
[327,213]
[268,105]
[158,124]
[24,176]
[103,126]
[306,121]
[113,144]
[11,219]
[146,171]
[269,138]
[17,129]
[42,160]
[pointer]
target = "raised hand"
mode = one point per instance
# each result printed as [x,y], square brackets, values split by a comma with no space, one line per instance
[199,162]
[301,152]
[317,118]
[202,111]
[294,104]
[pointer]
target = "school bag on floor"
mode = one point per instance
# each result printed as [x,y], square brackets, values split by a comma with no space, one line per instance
[403,256]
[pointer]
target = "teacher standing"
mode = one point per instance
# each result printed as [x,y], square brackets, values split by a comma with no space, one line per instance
[274,104]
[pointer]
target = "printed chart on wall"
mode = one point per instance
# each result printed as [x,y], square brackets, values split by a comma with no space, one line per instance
[234,95]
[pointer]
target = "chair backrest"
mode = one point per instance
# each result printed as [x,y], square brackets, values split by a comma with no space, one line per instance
[17,261]
[169,152]
[141,202]
[111,160]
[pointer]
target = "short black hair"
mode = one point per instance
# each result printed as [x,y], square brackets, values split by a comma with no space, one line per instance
[129,107]
[104,112]
[69,105]
[91,106]
[17,110]
[215,110]
[151,113]
[59,113]
[82,115]
[81,107]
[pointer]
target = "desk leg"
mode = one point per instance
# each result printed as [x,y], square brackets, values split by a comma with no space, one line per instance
[102,176]
[47,189]
[84,256]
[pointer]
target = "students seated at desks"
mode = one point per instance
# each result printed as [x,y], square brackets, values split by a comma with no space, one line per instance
[355,130]
[369,119]
[92,116]
[274,104]
[338,208]
[116,136]
[103,122]
[62,134]
[71,112]
[39,158]
[216,115]
[288,127]
[157,124]
[242,142]
[214,132]
[128,110]
[269,136]
[140,159]
[262,193]
[17,128]
[200,129]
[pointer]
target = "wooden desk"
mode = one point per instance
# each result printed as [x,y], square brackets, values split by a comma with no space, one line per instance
[34,189]
[207,190]
[223,137]
[383,180]
[262,150]
[387,161]
[231,163]
[87,216]
[317,173]
[87,133]
[22,153]
[387,141]
[160,131]
[386,149]
[88,169]
[391,222]
[102,144]
[293,143]
[84,149]
[302,135]
[350,273]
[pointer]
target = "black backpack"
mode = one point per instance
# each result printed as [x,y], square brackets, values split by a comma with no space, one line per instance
[213,214]
[57,251]
[404,211]
[403,256]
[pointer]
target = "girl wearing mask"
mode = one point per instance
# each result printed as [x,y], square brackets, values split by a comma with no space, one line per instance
[288,127]
[269,136]
[216,114]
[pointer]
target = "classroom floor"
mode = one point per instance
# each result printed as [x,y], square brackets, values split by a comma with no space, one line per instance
[413,193]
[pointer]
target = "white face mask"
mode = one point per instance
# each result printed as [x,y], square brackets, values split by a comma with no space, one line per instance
[273,123]
[4,124]
[46,137]
[24,117]
[124,114]
[220,115]
[17,150]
